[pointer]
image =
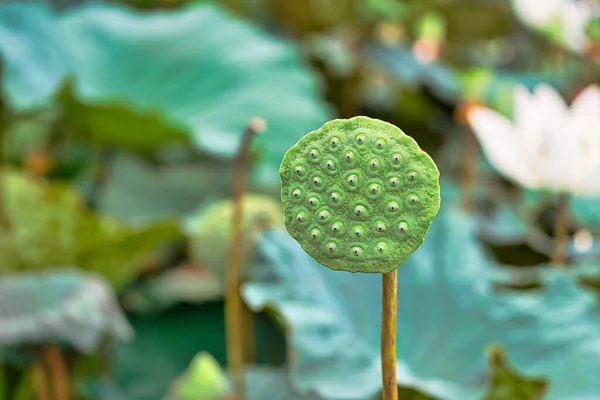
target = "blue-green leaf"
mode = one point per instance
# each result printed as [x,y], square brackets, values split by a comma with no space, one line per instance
[64,307]
[448,314]
[138,80]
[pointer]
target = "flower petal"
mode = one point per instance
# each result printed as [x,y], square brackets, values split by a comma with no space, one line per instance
[497,137]
[535,12]
[550,101]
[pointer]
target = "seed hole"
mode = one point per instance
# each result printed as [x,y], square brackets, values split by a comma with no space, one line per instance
[380,144]
[411,176]
[392,206]
[382,247]
[331,247]
[314,153]
[349,157]
[403,227]
[360,210]
[396,159]
[352,180]
[315,233]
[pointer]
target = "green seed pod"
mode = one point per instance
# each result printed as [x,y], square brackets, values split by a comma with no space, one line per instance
[374,180]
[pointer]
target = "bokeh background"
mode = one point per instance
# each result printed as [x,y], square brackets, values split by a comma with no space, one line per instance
[119,124]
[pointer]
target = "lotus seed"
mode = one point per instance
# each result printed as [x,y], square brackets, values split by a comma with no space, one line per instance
[360,210]
[382,247]
[331,247]
[323,215]
[352,180]
[301,217]
[403,227]
[349,157]
[337,227]
[374,188]
[315,233]
[358,231]
[300,170]
[361,225]
[357,251]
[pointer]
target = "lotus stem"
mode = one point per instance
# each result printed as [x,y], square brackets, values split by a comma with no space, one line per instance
[57,371]
[388,334]
[469,158]
[40,381]
[234,307]
[561,230]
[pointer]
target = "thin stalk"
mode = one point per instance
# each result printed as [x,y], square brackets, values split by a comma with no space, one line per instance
[234,307]
[58,372]
[388,334]
[468,173]
[4,220]
[561,231]
[40,381]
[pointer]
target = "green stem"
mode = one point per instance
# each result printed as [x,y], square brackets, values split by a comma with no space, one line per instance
[388,334]
[561,230]
[234,307]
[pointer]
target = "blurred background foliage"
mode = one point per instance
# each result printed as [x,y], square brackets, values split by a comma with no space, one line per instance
[119,121]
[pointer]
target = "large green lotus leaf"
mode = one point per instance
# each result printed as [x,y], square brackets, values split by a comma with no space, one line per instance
[32,55]
[47,226]
[140,79]
[448,315]
[62,306]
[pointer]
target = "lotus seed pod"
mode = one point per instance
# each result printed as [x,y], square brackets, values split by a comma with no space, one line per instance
[209,232]
[376,196]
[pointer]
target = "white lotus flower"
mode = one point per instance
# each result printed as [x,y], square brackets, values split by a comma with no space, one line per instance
[549,145]
[565,20]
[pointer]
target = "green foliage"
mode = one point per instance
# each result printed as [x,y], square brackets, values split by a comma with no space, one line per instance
[209,231]
[505,383]
[445,303]
[138,81]
[203,380]
[61,232]
[359,195]
[64,307]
